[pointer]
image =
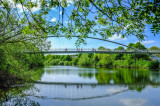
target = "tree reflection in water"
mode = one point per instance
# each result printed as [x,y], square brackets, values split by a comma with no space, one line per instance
[16,95]
[111,82]
[134,79]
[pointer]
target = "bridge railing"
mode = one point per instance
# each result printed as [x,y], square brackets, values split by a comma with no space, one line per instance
[63,50]
[93,49]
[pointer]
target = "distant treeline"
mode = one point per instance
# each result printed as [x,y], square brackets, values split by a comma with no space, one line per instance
[107,60]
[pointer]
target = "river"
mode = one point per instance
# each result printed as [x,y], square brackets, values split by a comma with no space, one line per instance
[77,86]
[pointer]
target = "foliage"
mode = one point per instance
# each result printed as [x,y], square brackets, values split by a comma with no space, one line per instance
[67,58]
[15,59]
[61,63]
[75,61]
[121,17]
[119,56]
[106,60]
[121,63]
[154,48]
[135,79]
[17,37]
[84,60]
[101,48]
[95,59]
[138,46]
[58,60]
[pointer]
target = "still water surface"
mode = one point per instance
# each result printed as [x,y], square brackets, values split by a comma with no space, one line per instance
[88,87]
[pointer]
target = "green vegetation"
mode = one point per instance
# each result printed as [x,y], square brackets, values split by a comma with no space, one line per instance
[121,17]
[15,65]
[106,60]
[8,93]
[134,79]
[27,31]
[15,40]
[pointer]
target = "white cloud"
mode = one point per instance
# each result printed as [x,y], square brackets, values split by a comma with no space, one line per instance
[133,102]
[21,9]
[54,9]
[116,89]
[70,1]
[116,37]
[66,22]
[34,9]
[11,2]
[126,27]
[148,42]
[60,12]
[53,19]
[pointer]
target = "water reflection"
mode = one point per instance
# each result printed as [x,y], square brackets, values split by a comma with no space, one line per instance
[16,97]
[87,86]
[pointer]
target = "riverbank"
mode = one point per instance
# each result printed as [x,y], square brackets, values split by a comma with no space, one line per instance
[100,60]
[107,60]
[9,79]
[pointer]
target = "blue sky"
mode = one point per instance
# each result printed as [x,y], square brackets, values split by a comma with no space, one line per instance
[65,43]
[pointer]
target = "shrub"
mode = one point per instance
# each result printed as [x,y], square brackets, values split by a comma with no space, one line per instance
[75,61]
[66,63]
[84,60]
[61,63]
[55,62]
[121,63]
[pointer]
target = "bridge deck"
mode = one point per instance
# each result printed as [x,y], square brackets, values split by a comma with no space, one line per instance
[96,51]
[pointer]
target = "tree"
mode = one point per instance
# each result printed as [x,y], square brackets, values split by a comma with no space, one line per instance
[75,61]
[106,60]
[118,56]
[95,59]
[84,60]
[67,58]
[154,48]
[17,36]
[138,46]
[15,29]
[121,17]
[103,48]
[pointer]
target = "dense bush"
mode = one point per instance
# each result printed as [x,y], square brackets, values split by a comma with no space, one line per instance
[84,60]
[147,64]
[61,63]
[11,57]
[121,63]
[75,61]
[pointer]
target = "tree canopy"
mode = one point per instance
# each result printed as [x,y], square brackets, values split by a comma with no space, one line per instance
[87,17]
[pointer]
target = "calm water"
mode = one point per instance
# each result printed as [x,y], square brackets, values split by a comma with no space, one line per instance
[87,87]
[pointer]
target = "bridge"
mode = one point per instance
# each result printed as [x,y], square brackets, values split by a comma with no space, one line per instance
[84,50]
